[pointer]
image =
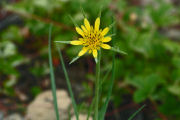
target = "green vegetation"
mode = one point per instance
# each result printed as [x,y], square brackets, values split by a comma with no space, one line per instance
[150,72]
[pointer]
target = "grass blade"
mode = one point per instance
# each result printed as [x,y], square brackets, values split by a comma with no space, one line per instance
[90,109]
[68,84]
[102,81]
[105,77]
[53,85]
[133,115]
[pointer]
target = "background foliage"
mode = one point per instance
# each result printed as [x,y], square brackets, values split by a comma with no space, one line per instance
[149,73]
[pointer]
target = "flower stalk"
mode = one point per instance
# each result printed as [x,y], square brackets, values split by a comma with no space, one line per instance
[97,86]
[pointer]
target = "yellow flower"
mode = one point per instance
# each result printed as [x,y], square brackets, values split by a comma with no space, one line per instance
[92,38]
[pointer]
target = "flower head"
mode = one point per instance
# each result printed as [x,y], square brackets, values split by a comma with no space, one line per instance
[92,38]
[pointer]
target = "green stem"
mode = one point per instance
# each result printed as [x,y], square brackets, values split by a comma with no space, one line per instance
[105,105]
[53,85]
[97,86]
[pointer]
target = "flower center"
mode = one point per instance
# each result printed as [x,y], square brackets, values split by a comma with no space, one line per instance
[92,39]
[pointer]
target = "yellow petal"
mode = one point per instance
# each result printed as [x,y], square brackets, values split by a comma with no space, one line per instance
[97,24]
[84,29]
[105,46]
[76,42]
[95,53]
[87,25]
[79,31]
[106,39]
[83,51]
[90,51]
[105,31]
[81,39]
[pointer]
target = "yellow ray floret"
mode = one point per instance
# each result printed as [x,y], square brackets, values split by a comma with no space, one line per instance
[92,38]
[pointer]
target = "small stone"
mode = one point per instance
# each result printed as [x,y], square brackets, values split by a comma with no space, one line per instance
[42,107]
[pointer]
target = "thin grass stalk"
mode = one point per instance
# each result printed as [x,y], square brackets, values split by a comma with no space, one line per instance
[102,80]
[133,115]
[53,85]
[97,86]
[90,109]
[104,108]
[68,84]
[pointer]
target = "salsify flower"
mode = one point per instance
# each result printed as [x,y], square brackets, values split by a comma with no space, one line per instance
[92,38]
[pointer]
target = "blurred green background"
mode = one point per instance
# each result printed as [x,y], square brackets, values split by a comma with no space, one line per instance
[147,30]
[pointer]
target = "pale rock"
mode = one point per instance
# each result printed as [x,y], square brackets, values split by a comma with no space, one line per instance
[81,117]
[42,107]
[14,116]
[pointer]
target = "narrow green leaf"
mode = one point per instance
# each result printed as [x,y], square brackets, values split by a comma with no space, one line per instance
[69,114]
[53,85]
[102,80]
[133,115]
[105,77]
[68,84]
[90,109]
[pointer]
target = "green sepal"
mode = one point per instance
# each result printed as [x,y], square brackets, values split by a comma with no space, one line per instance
[74,59]
[115,49]
[65,42]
